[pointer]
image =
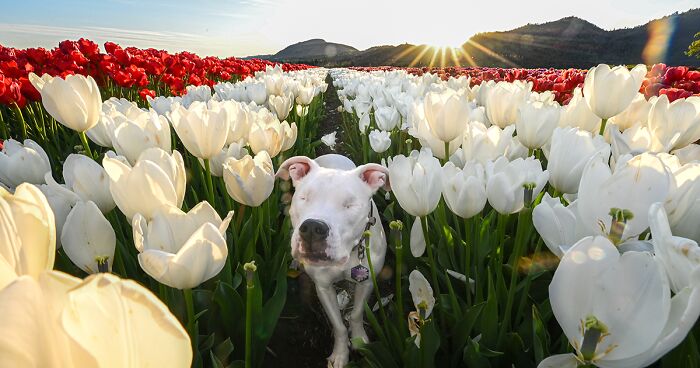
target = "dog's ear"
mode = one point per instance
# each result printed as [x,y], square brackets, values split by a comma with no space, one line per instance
[375,175]
[296,168]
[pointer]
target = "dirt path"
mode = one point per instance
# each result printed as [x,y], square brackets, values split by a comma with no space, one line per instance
[332,120]
[303,337]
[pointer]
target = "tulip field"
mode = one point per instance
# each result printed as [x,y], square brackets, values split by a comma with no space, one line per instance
[533,217]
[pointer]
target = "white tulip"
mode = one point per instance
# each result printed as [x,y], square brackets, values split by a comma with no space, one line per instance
[89,239]
[577,114]
[570,151]
[428,140]
[485,144]
[421,293]
[678,255]
[238,117]
[156,180]
[675,124]
[196,94]
[329,140]
[608,91]
[280,106]
[130,137]
[504,100]
[162,105]
[556,224]
[688,154]
[53,322]
[447,114]
[416,181]
[379,140]
[182,250]
[509,182]
[74,101]
[203,131]
[536,122]
[216,164]
[88,179]
[684,202]
[266,136]
[616,310]
[27,234]
[387,118]
[61,200]
[464,189]
[636,112]
[627,193]
[249,181]
[23,163]
[257,92]
[289,135]
[305,95]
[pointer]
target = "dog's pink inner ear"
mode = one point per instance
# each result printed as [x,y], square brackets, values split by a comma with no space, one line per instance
[376,178]
[298,170]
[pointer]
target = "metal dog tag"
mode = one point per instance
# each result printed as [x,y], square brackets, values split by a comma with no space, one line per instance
[359,273]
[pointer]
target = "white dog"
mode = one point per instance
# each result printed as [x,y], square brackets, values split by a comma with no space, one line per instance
[331,209]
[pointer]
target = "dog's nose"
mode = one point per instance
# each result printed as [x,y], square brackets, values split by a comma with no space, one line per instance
[313,230]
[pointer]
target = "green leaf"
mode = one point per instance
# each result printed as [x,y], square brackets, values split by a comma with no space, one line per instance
[464,326]
[489,321]
[540,337]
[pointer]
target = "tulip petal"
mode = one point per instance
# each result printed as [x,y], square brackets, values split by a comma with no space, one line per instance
[559,361]
[417,239]
[125,325]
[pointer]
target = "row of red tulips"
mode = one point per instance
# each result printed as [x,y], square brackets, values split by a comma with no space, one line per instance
[150,71]
[673,81]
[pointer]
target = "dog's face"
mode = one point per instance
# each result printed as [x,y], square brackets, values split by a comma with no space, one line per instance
[329,208]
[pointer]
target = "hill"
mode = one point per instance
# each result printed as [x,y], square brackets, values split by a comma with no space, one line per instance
[567,42]
[314,49]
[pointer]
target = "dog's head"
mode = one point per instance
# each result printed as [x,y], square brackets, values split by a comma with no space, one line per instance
[329,208]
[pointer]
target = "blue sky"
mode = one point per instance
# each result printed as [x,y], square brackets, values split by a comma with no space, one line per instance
[246,27]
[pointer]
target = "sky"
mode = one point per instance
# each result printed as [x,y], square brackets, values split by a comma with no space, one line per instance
[251,27]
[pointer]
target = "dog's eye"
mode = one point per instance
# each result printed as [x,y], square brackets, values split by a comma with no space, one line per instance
[349,204]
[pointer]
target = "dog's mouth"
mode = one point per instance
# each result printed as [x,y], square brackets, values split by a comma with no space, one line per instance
[316,256]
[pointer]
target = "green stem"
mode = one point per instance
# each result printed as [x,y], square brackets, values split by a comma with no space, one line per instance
[447,152]
[603,123]
[522,234]
[468,229]
[375,286]
[500,237]
[210,184]
[398,246]
[21,118]
[250,287]
[86,144]
[431,258]
[189,306]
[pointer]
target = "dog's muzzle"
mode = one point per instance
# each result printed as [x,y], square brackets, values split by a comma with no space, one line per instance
[314,235]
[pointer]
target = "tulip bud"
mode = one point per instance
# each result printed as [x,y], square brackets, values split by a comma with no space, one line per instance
[396,225]
[250,269]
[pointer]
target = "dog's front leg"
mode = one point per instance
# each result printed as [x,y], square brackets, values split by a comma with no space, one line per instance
[329,300]
[357,327]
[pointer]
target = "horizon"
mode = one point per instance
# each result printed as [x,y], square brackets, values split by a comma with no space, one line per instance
[244,28]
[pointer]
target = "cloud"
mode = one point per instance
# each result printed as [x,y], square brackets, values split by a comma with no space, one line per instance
[33,35]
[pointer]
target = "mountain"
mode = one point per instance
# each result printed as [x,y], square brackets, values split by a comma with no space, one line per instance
[564,43]
[314,49]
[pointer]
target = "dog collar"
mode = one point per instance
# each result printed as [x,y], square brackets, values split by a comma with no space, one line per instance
[360,273]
